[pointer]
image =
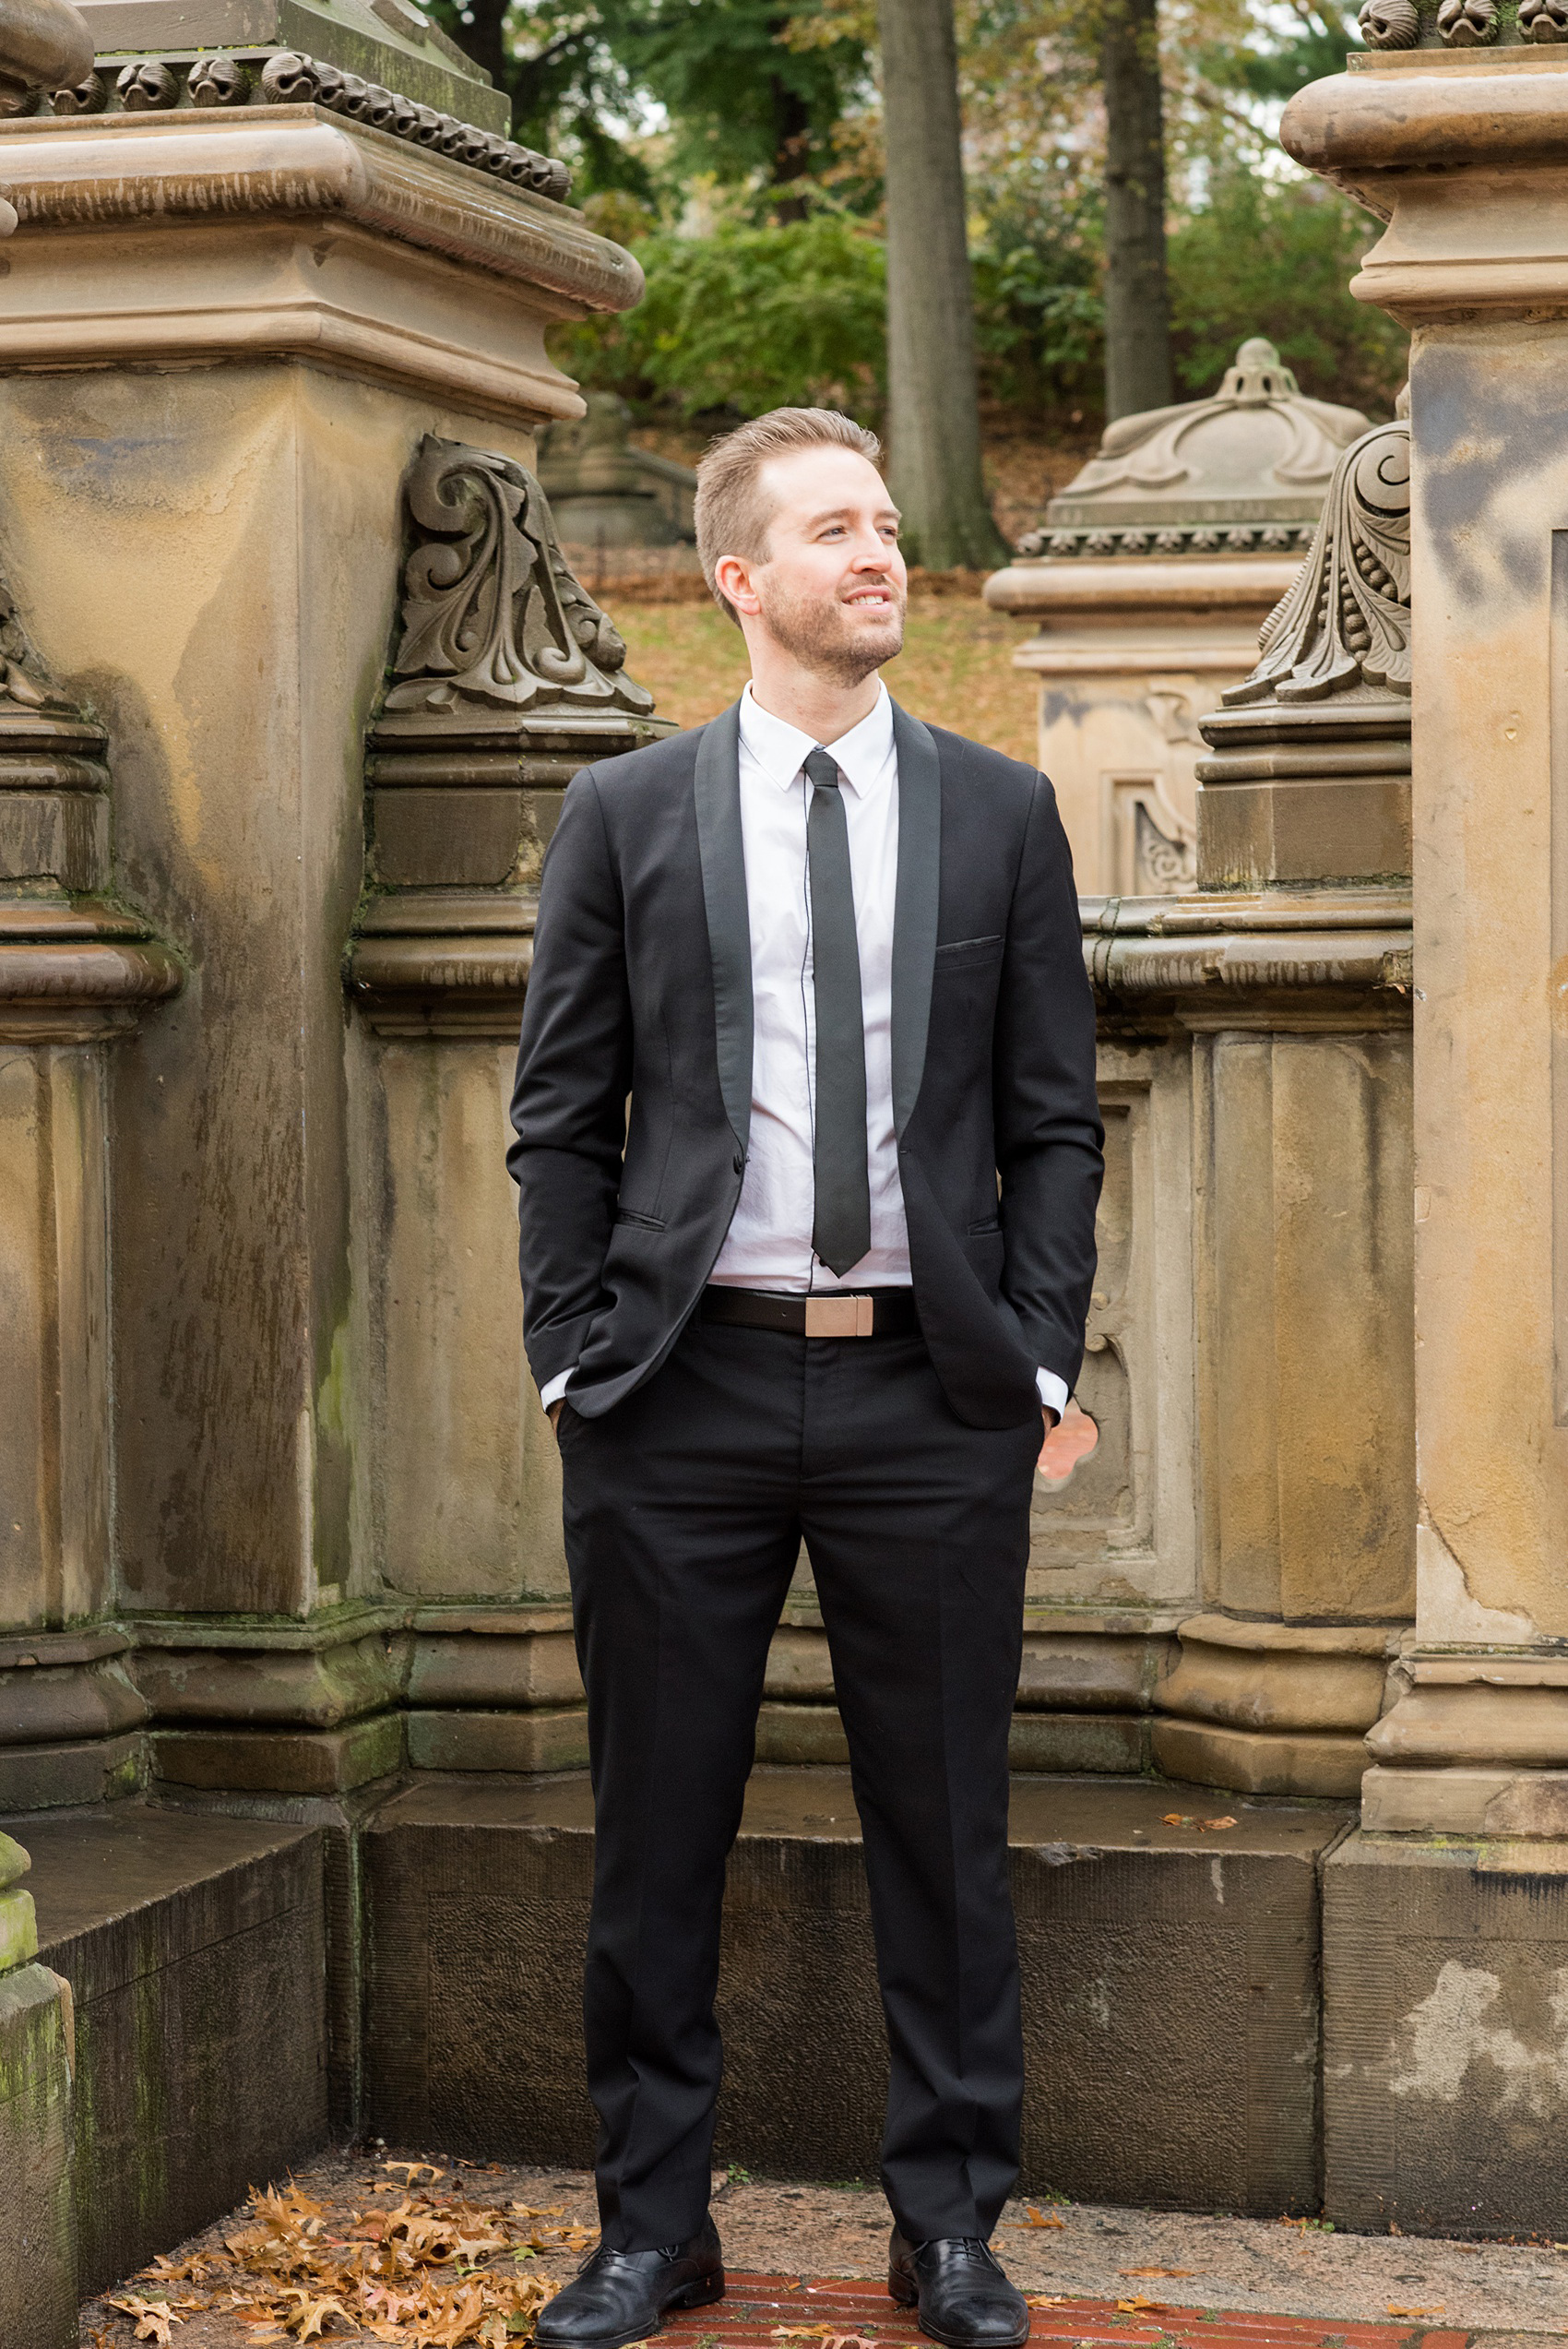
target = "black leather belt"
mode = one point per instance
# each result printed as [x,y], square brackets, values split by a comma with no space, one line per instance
[870,1313]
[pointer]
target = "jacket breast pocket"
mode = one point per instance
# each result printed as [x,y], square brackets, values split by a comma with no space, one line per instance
[967,954]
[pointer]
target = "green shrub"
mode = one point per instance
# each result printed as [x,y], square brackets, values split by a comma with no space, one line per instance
[748,319]
[1277,258]
[755,317]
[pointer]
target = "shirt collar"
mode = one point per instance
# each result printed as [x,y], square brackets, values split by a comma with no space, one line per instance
[863,755]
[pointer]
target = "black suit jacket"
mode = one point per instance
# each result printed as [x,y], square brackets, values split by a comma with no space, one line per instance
[641,986]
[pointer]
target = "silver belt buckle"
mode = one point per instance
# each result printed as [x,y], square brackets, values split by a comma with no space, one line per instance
[839,1317]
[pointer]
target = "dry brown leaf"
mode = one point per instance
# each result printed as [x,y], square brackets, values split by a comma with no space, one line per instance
[1038,2218]
[155,2319]
[1211,1826]
[309,2320]
[414,2169]
[1139,2305]
[1162,2270]
[1415,2312]
[1175,1818]
[166,2271]
[1046,2299]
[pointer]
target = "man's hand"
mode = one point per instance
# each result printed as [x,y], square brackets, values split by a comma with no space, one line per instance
[559,1405]
[1045,1412]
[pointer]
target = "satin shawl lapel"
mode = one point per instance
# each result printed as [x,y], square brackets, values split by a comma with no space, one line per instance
[915,906]
[717,786]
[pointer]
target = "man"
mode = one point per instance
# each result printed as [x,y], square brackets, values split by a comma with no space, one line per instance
[826,1277]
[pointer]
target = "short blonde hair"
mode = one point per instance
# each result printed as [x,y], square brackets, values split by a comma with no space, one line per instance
[730,512]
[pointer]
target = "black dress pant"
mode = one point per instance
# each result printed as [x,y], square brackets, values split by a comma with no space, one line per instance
[685,1510]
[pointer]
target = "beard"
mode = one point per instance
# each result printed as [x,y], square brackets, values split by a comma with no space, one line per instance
[823,637]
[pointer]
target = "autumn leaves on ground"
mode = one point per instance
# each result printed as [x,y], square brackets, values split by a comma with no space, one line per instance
[403,2261]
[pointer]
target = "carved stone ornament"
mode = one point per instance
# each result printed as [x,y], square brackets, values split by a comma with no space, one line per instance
[1242,472]
[1544,19]
[1389,24]
[492,618]
[1467,24]
[219,81]
[1346,621]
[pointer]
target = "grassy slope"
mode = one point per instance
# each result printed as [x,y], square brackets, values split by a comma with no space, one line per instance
[955,668]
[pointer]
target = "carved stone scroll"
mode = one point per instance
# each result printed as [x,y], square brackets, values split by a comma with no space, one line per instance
[491,613]
[505,679]
[1311,777]
[1346,620]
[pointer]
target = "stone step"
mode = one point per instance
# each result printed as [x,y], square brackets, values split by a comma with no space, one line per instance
[194,1946]
[1170,1983]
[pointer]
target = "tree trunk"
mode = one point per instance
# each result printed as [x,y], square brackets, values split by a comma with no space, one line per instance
[792,151]
[932,403]
[483,39]
[1138,300]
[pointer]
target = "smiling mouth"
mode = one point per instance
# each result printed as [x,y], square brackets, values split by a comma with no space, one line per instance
[881,598]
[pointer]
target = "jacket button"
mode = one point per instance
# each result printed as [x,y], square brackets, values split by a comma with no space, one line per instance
[740,1162]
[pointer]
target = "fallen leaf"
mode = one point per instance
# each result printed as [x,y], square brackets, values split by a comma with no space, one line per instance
[309,2320]
[414,2169]
[1415,2312]
[1047,2299]
[1038,2218]
[1209,1826]
[1175,1818]
[1162,2270]
[1138,2304]
[154,2319]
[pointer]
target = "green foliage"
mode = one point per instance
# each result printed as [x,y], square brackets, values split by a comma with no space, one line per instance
[754,318]
[751,89]
[1275,259]
[1037,310]
[747,319]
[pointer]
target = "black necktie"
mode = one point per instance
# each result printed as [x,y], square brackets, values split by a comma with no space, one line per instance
[841,1226]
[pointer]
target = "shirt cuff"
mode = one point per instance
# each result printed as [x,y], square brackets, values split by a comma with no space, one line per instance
[552,1392]
[1053,1391]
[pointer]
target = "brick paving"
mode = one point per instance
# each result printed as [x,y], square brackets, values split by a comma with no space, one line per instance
[790,2312]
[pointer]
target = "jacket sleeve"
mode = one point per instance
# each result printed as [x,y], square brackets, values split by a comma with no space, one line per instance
[1048,1135]
[574,1073]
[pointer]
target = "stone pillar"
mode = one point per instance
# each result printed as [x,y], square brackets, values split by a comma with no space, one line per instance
[1463,154]
[78,970]
[504,679]
[1302,1105]
[245,289]
[38,2266]
[1150,578]
[1446,1930]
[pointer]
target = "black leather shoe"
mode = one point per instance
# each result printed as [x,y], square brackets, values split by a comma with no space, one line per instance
[618,2297]
[959,2286]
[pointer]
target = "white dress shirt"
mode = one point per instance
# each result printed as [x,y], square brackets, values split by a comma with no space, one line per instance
[768,1245]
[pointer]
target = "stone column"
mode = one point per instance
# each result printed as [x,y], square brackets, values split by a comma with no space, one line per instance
[38,2266]
[1301,1106]
[1463,154]
[245,289]
[1445,1933]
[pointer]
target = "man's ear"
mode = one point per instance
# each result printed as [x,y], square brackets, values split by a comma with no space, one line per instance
[734,578]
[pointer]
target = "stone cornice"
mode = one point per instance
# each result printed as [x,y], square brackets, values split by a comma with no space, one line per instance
[1332,959]
[303,162]
[1396,138]
[69,972]
[1154,588]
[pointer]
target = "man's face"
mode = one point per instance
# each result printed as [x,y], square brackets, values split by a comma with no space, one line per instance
[833,588]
